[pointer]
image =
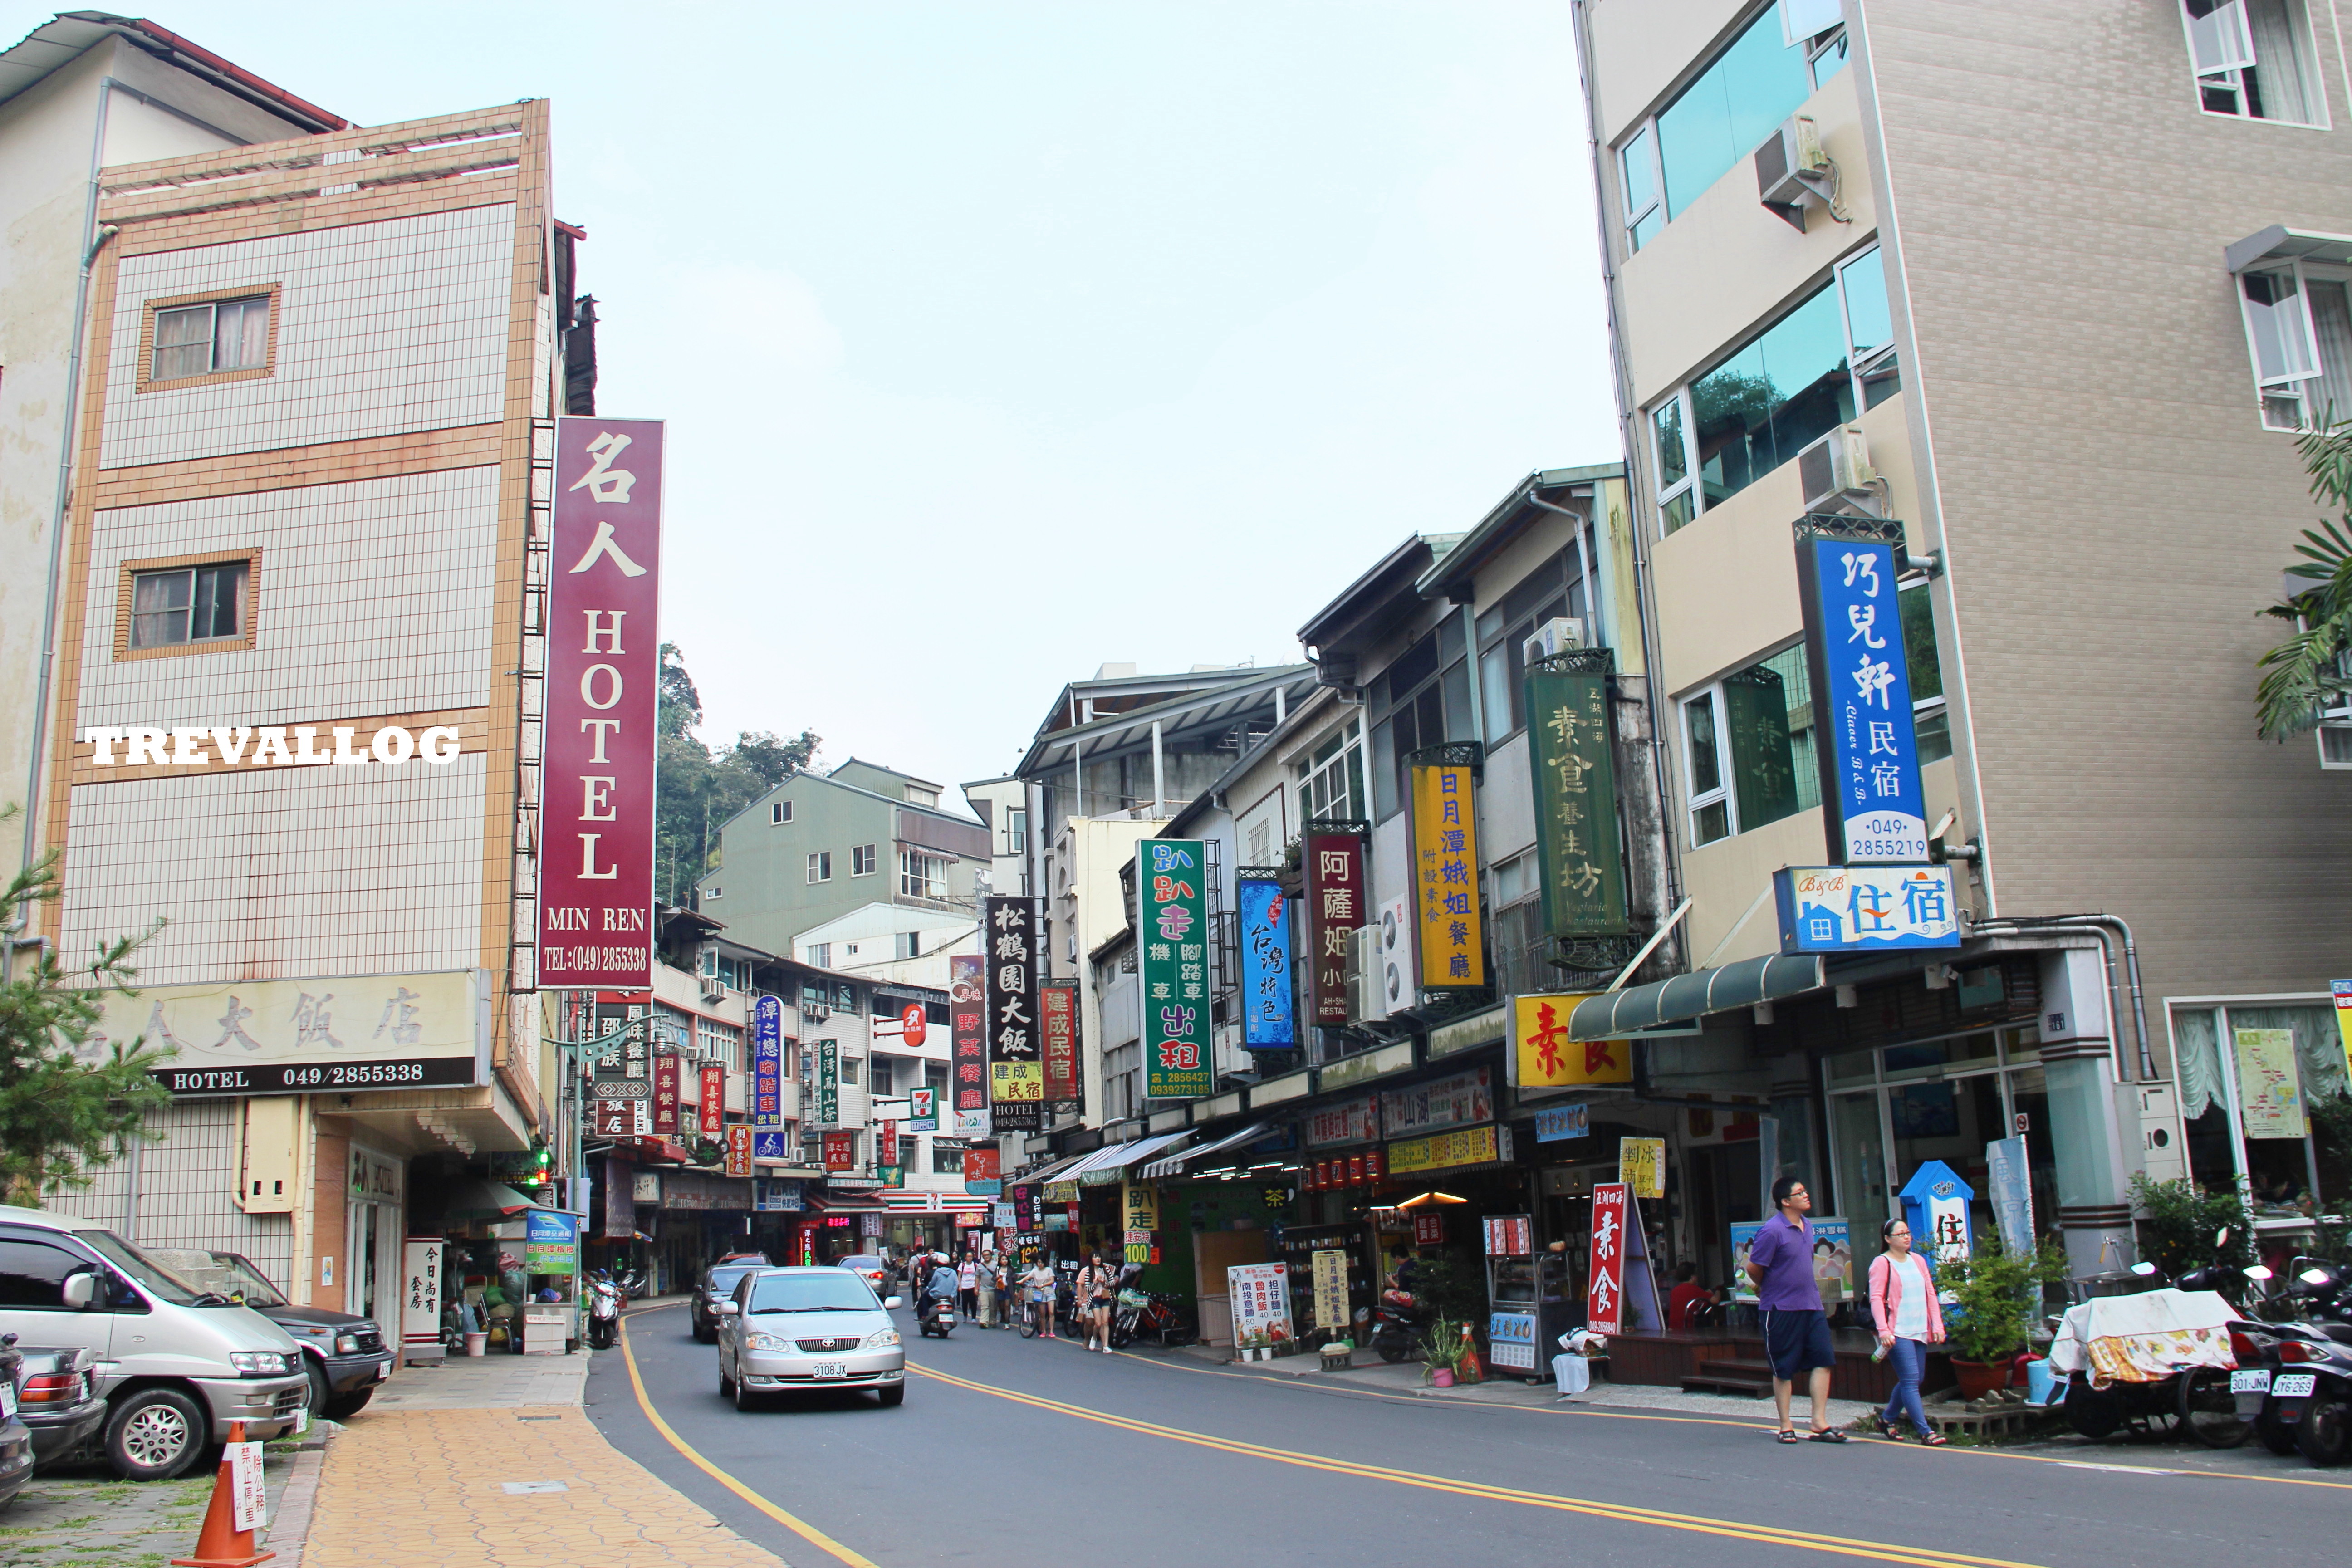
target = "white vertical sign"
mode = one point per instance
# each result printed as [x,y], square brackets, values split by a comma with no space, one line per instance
[420,1303]
[248,1499]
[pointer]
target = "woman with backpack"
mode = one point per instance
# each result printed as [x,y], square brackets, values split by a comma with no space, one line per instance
[1097,1286]
[1903,1304]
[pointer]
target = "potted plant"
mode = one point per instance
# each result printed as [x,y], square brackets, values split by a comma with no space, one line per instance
[1442,1352]
[1996,1296]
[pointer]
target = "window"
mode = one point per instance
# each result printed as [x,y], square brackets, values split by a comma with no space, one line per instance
[2253,58]
[821,866]
[1552,590]
[861,860]
[1016,827]
[946,1162]
[1759,81]
[1333,787]
[1777,394]
[779,811]
[1516,879]
[1425,694]
[849,1069]
[210,337]
[716,891]
[821,954]
[184,606]
[2299,334]
[922,875]
[910,944]
[885,1075]
[1929,717]
[1749,755]
[33,1274]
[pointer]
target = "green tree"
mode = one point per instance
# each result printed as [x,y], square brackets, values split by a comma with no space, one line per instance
[61,1111]
[2308,671]
[699,789]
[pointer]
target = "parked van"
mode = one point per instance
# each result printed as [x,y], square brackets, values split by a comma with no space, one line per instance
[176,1362]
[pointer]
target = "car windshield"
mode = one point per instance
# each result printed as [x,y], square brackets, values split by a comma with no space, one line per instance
[722,1280]
[164,1284]
[831,1291]
[859,1263]
[221,1273]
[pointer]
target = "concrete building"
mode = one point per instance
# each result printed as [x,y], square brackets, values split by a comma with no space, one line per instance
[819,847]
[1002,805]
[2052,292]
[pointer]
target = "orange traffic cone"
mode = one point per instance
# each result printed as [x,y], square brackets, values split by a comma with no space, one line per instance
[220,1544]
[1471,1371]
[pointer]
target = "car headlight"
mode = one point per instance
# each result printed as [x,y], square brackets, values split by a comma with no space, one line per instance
[259,1363]
[759,1341]
[880,1337]
[347,1344]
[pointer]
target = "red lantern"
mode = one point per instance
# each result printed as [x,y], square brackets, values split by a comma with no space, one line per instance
[1355,1170]
[1372,1168]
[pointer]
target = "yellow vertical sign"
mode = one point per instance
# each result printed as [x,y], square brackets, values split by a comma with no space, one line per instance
[1641,1166]
[1445,878]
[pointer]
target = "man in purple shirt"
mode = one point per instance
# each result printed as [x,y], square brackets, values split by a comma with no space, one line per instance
[1796,1329]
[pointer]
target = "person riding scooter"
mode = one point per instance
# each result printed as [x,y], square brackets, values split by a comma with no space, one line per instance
[938,1314]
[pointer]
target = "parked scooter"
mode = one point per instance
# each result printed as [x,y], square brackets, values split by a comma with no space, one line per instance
[604,1300]
[1400,1322]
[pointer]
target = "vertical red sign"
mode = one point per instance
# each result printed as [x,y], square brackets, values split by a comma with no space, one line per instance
[1335,909]
[1058,1008]
[665,1096]
[739,1149]
[1605,1300]
[714,1099]
[603,659]
[889,1155]
[840,1150]
[967,1006]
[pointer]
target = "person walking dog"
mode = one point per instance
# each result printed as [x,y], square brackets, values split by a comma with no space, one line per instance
[1903,1304]
[1796,1329]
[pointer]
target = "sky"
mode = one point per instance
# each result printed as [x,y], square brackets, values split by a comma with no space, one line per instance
[1000,340]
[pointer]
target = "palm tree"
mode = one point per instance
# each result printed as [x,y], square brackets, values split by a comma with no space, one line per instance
[2309,671]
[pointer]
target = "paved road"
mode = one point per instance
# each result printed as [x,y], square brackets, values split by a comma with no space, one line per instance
[1013,1451]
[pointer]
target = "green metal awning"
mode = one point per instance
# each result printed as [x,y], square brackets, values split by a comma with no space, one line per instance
[1614,1013]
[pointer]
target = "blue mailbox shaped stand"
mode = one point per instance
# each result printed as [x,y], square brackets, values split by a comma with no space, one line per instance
[1936,1207]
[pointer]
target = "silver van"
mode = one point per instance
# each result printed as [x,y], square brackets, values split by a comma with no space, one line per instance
[176,1362]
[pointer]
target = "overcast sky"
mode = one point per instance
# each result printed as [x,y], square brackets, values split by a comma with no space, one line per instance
[998,340]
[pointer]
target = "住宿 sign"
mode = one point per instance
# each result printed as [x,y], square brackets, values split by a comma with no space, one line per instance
[1863,908]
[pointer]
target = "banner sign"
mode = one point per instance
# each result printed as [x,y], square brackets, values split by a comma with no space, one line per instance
[665,1096]
[550,1242]
[828,1082]
[739,1149]
[1455,1101]
[984,1172]
[776,1195]
[767,1062]
[1335,908]
[1543,1057]
[1265,966]
[923,1110]
[420,1308]
[1604,1298]
[1016,1069]
[1445,878]
[1261,1303]
[2342,991]
[1871,798]
[1350,1122]
[1558,1123]
[768,1143]
[1641,1166]
[1860,909]
[1511,1340]
[1574,764]
[307,1036]
[967,1011]
[2012,1190]
[1510,1235]
[1329,1268]
[603,664]
[1443,1151]
[248,1494]
[2270,1088]
[888,1155]
[713,1097]
[841,1150]
[1171,923]
[1058,1007]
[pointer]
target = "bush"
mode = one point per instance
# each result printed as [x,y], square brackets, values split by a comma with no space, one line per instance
[1995,1299]
[2179,1220]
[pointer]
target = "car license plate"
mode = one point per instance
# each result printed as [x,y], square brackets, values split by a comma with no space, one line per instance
[8,1400]
[2256,1382]
[831,1369]
[2294,1385]
[382,1371]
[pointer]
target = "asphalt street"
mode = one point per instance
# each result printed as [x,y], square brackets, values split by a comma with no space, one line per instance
[1014,1451]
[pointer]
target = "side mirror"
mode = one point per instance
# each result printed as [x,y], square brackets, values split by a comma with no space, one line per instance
[891,1302]
[79,1291]
[724,1309]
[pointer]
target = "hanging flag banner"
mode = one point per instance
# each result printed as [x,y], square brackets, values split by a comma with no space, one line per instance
[739,1149]
[1575,778]
[1542,1054]
[889,1142]
[1445,878]
[1871,801]
[923,1110]
[983,1172]
[604,665]
[1057,1010]
[828,1082]
[714,1100]
[967,1014]
[767,1062]
[1265,965]
[1604,1298]
[1861,908]
[1171,923]
[1016,1068]
[665,1096]
[1335,908]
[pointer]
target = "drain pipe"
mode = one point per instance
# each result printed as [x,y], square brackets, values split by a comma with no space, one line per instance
[2108,929]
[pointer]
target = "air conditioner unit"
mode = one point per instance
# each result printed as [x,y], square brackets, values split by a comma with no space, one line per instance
[1836,475]
[1398,989]
[1790,165]
[1364,974]
[712,991]
[2335,746]
[1558,634]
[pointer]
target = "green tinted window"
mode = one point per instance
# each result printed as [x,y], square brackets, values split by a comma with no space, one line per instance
[1725,114]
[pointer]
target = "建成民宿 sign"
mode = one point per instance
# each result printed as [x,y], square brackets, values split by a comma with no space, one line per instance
[1057,1012]
[1574,769]
[1264,933]
[1172,927]
[1872,807]
[1445,876]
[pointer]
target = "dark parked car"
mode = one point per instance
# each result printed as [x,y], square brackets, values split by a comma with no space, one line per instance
[343,1354]
[57,1398]
[717,1284]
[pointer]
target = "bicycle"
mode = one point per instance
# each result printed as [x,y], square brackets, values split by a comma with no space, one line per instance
[1031,1321]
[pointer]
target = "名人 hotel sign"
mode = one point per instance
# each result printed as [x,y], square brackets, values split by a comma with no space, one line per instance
[305,1036]
[1872,805]
[603,662]
[1171,894]
[1445,878]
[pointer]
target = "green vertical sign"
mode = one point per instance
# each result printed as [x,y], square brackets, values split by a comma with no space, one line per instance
[828,1083]
[1575,771]
[1172,927]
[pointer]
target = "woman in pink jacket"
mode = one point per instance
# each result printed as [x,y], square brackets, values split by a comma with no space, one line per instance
[1903,1303]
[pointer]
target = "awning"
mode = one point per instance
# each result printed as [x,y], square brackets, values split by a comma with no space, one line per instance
[899,1201]
[1613,1014]
[1173,1165]
[2279,243]
[1111,1165]
[487,1200]
[1060,1171]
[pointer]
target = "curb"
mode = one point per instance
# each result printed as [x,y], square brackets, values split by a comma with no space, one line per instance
[291,1528]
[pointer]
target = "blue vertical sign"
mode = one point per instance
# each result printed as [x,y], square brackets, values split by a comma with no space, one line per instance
[1871,802]
[768,1067]
[1266,1005]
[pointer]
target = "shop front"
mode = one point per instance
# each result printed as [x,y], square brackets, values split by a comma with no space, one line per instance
[2263,1086]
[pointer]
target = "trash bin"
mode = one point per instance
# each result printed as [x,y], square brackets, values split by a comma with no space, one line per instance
[2038,1383]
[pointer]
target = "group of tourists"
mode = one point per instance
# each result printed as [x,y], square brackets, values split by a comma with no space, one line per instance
[1027,1289]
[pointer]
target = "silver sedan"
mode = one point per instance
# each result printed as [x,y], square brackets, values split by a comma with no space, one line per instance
[791,1330]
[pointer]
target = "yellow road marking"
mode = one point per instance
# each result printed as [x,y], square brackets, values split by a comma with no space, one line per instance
[800,1526]
[1885,1552]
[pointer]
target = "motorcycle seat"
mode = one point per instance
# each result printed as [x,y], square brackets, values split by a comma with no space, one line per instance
[2340,1332]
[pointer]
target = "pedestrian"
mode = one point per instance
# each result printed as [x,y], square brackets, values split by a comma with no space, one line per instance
[987,1288]
[1903,1304]
[1796,1329]
[1039,1281]
[968,1288]
[1096,1282]
[1689,1296]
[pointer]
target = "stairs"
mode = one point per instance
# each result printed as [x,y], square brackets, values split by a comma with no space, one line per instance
[1729,1376]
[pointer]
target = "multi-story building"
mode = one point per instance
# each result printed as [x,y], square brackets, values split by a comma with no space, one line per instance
[1002,806]
[859,840]
[294,627]
[2044,300]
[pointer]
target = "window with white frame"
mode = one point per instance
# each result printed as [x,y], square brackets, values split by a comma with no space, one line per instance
[849,1065]
[862,860]
[1747,748]
[922,875]
[1333,783]
[187,604]
[910,944]
[2253,60]
[820,866]
[715,891]
[1814,369]
[779,811]
[946,1162]
[2299,335]
[1016,827]
[210,338]
[821,954]
[1554,589]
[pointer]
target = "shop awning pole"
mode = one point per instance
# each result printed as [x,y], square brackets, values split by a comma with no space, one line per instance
[1650,946]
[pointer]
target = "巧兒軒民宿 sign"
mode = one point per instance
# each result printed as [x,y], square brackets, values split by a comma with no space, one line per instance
[1872,807]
